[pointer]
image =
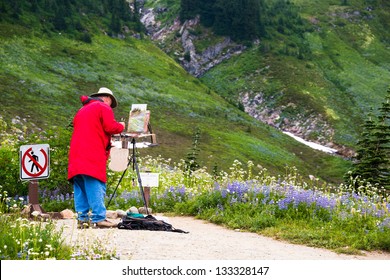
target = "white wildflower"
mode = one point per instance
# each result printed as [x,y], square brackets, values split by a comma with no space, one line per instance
[35,213]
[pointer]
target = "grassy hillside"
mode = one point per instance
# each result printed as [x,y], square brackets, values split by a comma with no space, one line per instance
[344,74]
[319,78]
[42,77]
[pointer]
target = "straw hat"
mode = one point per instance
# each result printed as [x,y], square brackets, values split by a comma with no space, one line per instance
[103,91]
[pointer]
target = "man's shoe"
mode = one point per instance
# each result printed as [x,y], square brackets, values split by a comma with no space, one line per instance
[104,224]
[83,224]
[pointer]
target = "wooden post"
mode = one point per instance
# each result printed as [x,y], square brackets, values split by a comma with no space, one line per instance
[33,197]
[147,195]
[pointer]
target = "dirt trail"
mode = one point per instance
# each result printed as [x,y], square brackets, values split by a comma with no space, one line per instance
[205,241]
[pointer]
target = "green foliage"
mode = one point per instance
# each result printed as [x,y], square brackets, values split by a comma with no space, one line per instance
[188,9]
[56,69]
[76,17]
[237,19]
[346,60]
[58,139]
[245,20]
[71,68]
[39,239]
[9,162]
[28,240]
[347,66]
[334,219]
[9,204]
[285,207]
[373,153]
[192,163]
[9,171]
[23,239]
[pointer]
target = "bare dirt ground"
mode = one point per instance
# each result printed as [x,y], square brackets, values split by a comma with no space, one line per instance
[205,241]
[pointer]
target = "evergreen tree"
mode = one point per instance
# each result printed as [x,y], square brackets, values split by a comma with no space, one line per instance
[239,19]
[262,9]
[59,20]
[373,153]
[16,9]
[192,156]
[222,23]
[35,6]
[207,12]
[72,15]
[251,19]
[115,24]
[136,18]
[383,136]
[188,9]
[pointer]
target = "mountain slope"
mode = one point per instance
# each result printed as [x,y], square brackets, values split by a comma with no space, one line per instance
[42,77]
[319,84]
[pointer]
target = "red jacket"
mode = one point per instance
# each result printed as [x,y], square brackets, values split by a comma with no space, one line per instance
[93,126]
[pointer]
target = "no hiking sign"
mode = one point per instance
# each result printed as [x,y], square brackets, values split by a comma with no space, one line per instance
[34,162]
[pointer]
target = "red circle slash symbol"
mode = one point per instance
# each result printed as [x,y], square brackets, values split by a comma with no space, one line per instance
[40,168]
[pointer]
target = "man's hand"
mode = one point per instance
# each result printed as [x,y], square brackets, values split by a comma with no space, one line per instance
[124,126]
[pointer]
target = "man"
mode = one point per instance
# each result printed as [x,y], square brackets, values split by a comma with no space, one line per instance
[93,126]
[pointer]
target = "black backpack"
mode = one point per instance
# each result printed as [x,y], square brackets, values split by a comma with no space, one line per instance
[147,223]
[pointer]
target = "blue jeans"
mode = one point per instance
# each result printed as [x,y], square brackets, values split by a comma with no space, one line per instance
[89,194]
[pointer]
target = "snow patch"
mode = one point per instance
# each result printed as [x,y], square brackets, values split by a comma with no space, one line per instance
[311,144]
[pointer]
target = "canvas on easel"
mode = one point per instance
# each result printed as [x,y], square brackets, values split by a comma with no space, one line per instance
[138,119]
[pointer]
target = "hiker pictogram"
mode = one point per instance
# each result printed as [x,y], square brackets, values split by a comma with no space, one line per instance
[34,161]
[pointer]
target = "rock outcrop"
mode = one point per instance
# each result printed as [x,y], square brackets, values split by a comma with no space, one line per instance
[180,39]
[194,62]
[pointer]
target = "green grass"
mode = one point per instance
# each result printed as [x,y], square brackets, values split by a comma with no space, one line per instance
[286,207]
[28,240]
[42,78]
[337,220]
[345,73]
[42,75]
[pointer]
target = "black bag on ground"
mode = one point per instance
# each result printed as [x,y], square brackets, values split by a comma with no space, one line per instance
[147,223]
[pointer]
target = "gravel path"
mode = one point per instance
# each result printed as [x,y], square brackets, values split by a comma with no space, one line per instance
[205,241]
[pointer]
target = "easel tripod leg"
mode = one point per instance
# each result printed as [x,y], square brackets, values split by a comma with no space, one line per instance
[120,180]
[135,165]
[132,160]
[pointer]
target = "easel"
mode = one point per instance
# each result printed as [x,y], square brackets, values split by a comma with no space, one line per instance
[124,138]
[133,160]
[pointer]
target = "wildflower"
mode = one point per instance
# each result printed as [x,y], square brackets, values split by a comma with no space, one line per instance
[384,224]
[35,213]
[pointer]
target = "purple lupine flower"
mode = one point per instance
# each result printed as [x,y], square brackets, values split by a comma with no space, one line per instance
[182,190]
[385,224]
[283,204]
[238,189]
[325,202]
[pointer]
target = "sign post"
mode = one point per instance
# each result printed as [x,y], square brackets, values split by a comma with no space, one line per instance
[34,165]
[149,180]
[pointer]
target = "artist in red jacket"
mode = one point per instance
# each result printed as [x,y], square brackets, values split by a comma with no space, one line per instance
[93,126]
